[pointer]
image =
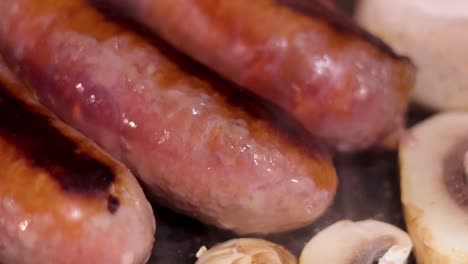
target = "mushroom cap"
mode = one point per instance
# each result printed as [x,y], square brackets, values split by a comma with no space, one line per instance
[358,242]
[246,251]
[437,218]
[433,34]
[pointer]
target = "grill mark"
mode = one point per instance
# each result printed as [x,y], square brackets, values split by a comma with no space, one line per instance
[44,146]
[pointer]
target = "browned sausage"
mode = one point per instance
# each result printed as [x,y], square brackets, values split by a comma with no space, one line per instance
[193,150]
[62,199]
[342,84]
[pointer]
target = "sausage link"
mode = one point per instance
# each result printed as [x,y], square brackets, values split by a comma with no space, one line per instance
[345,86]
[62,199]
[193,150]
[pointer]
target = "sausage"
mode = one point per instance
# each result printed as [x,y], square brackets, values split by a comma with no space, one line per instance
[62,199]
[193,150]
[9,77]
[330,4]
[345,86]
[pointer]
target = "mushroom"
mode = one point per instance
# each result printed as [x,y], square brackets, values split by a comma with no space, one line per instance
[433,34]
[246,251]
[363,242]
[434,188]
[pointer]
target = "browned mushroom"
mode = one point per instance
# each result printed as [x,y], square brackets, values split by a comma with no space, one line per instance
[246,251]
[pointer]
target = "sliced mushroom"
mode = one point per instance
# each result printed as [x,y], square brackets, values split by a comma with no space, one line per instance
[246,251]
[363,242]
[433,34]
[434,188]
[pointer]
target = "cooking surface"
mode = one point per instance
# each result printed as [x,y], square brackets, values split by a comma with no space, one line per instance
[368,188]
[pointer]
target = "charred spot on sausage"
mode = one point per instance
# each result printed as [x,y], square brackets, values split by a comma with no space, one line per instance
[113,204]
[46,147]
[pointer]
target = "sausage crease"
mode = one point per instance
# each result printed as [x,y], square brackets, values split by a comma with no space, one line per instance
[342,84]
[62,199]
[193,151]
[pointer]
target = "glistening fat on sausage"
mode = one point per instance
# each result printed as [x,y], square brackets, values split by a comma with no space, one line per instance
[62,199]
[193,150]
[345,86]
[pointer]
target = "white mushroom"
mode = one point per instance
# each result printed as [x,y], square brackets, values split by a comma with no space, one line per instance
[246,251]
[434,188]
[434,34]
[363,242]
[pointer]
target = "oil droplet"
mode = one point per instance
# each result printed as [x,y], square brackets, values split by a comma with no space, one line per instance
[129,123]
[164,137]
[132,124]
[322,65]
[76,214]
[255,159]
[23,225]
[362,93]
[92,99]
[79,87]
[138,88]
[115,45]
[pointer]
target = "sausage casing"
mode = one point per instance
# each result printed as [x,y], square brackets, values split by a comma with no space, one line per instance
[62,199]
[192,149]
[345,86]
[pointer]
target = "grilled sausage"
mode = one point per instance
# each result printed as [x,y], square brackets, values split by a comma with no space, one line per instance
[192,149]
[62,199]
[9,77]
[343,85]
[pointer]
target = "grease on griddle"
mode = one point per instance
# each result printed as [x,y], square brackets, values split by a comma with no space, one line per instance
[46,147]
